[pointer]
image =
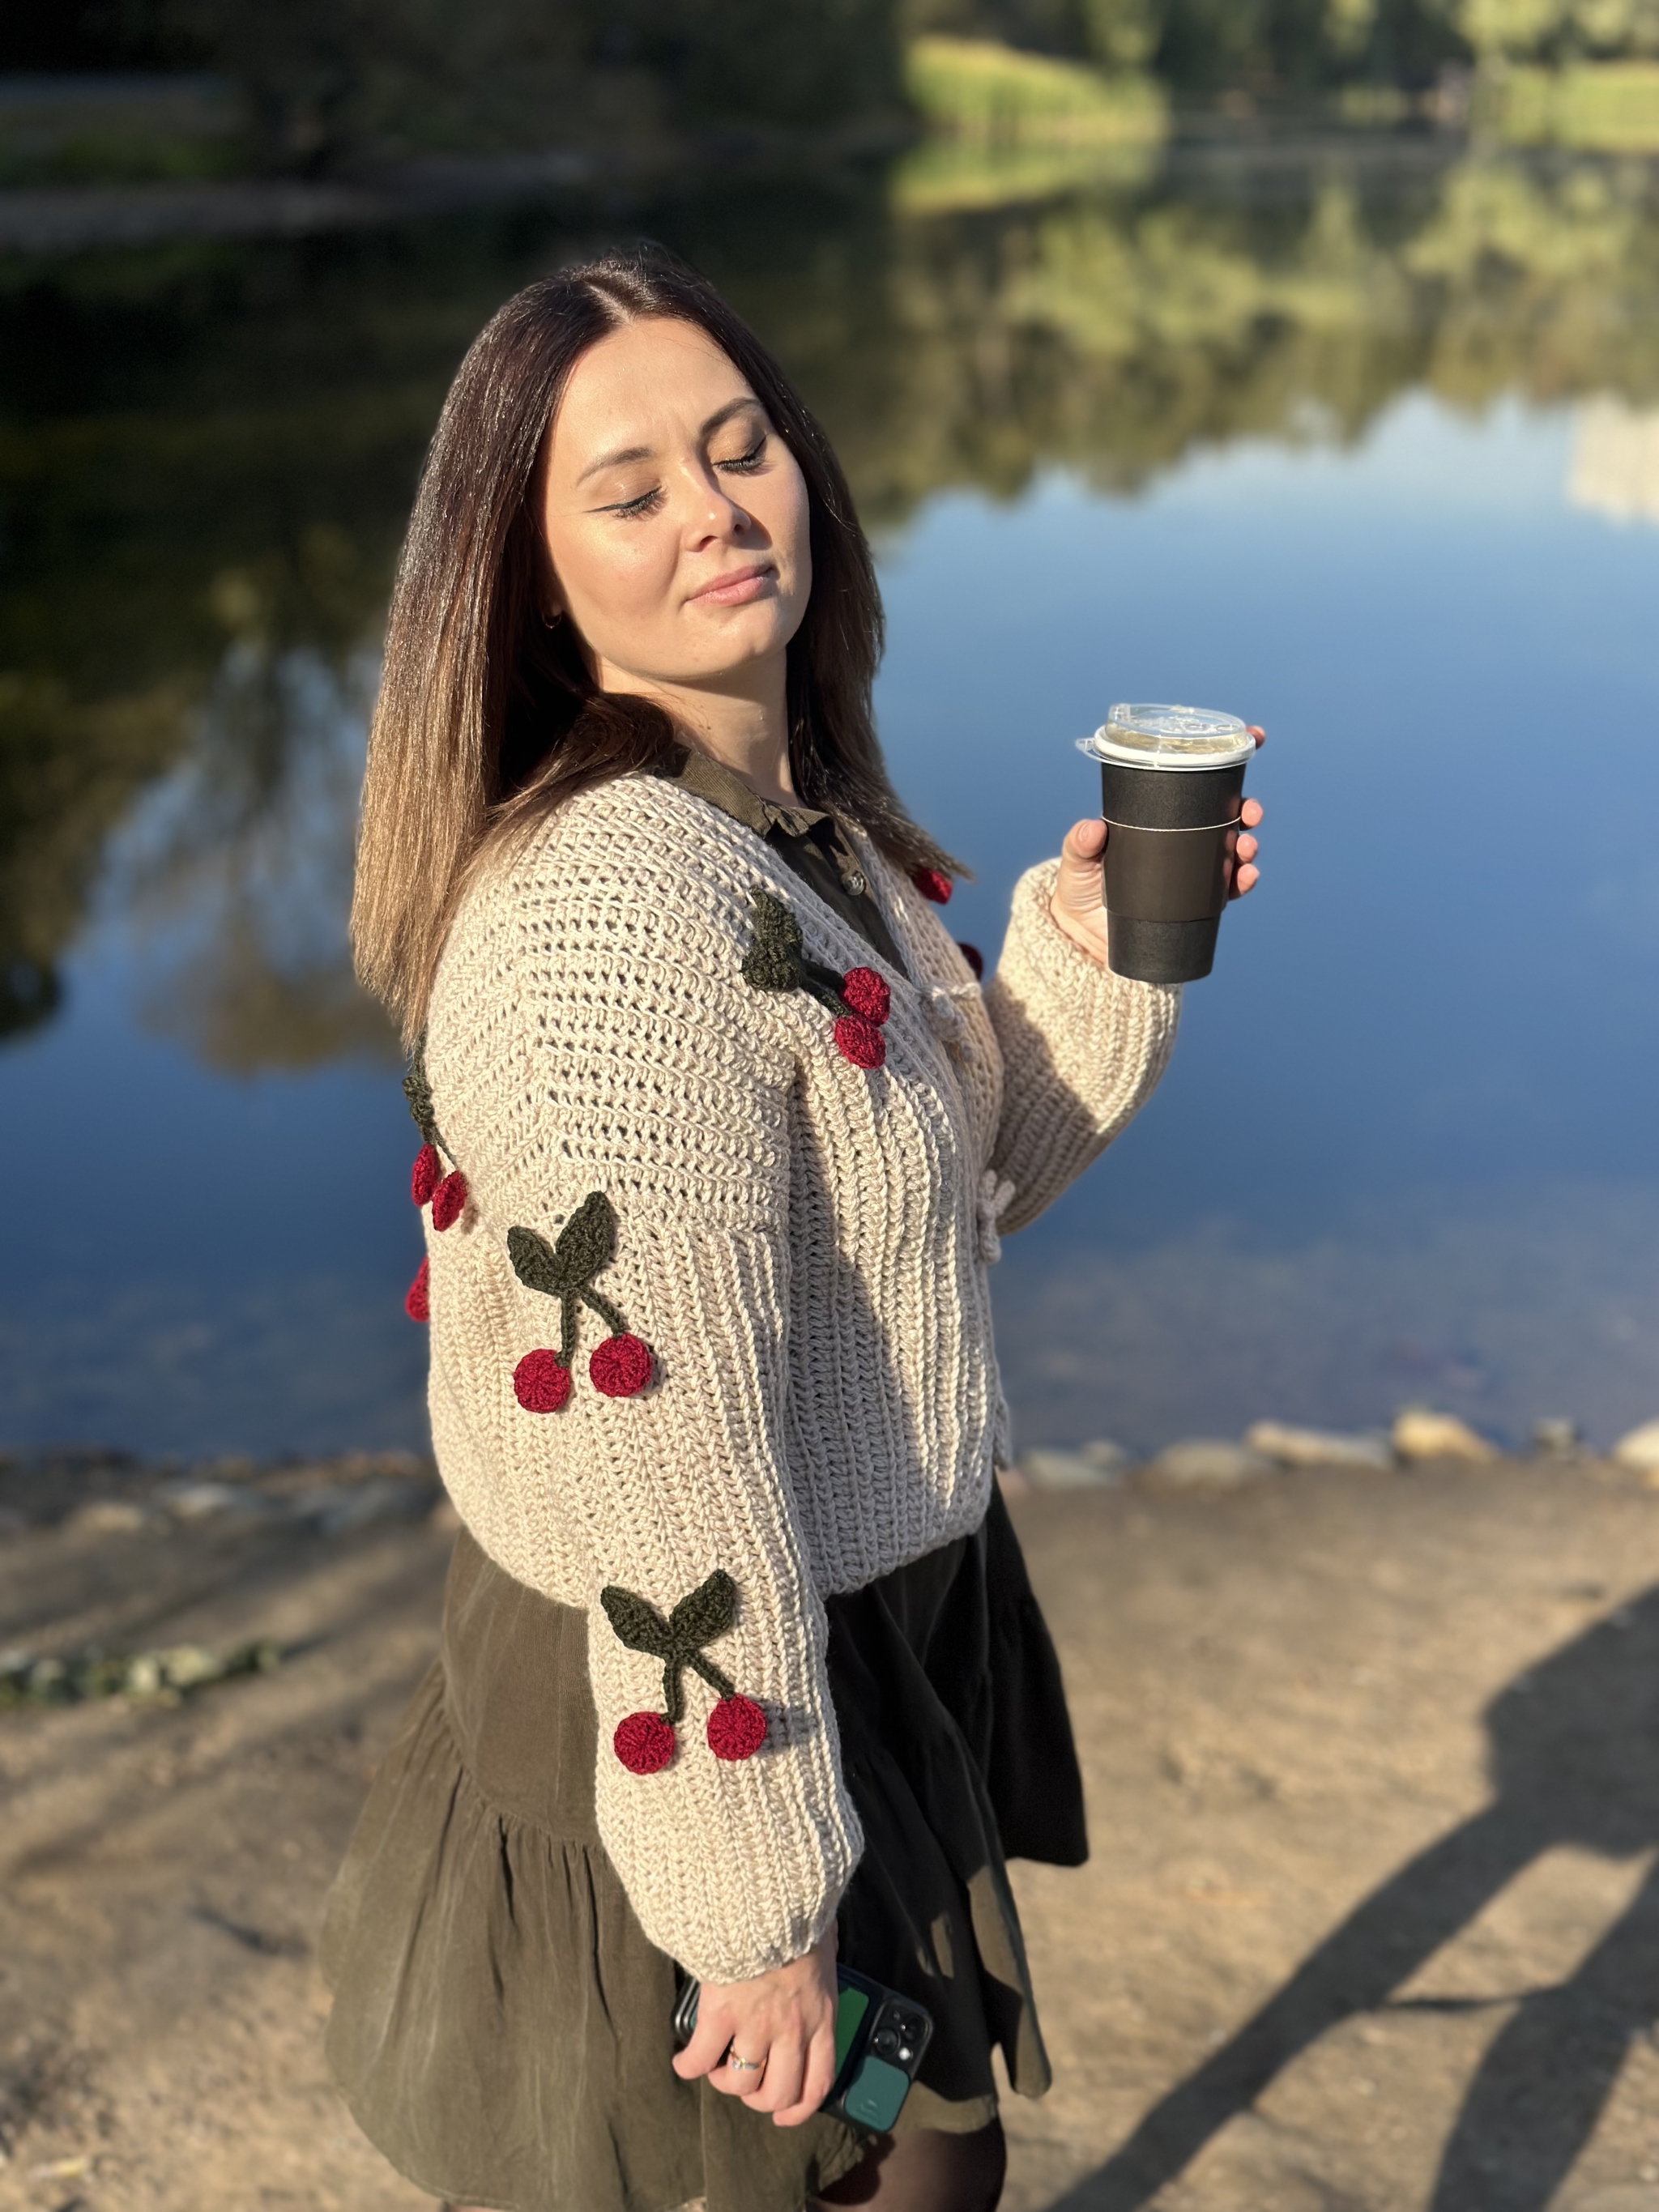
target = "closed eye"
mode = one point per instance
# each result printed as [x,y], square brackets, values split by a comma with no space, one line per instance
[646,503]
[746,463]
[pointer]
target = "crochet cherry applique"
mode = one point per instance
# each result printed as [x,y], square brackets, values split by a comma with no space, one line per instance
[644,1742]
[449,1201]
[541,1381]
[867,994]
[428,1184]
[417,1302]
[736,1728]
[935,888]
[974,958]
[859,1001]
[621,1366]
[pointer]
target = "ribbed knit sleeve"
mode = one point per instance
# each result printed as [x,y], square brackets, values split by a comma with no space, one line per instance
[591,1033]
[1082,1050]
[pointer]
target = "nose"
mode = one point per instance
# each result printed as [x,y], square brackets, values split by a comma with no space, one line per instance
[714,514]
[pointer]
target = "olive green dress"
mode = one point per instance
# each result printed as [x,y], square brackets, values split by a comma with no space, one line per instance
[503,2027]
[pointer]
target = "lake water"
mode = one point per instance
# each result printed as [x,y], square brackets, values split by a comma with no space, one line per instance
[1365,450]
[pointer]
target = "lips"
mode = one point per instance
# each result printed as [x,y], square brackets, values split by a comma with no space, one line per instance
[734,587]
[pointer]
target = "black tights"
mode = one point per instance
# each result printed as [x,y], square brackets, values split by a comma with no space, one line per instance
[928,2172]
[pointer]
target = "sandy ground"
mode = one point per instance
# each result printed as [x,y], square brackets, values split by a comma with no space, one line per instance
[1372,1919]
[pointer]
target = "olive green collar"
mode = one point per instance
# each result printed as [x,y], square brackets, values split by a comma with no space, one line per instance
[725,788]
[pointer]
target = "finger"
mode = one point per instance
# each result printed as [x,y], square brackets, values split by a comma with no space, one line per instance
[743,2080]
[1258,734]
[1085,840]
[1248,849]
[707,2048]
[779,2090]
[1250,813]
[818,2081]
[1246,880]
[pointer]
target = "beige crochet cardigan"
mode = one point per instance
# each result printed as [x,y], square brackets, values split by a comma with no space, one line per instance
[803,1244]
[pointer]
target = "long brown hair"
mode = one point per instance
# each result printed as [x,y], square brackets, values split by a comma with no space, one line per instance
[487,719]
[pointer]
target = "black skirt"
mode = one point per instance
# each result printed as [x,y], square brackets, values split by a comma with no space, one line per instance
[501,2026]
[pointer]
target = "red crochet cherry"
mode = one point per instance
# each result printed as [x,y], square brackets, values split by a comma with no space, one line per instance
[974,958]
[417,1302]
[426,1174]
[449,1201]
[934,886]
[644,1742]
[541,1384]
[867,994]
[621,1367]
[737,1729]
[860,1042]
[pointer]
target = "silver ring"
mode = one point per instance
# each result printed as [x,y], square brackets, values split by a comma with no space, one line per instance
[745,2065]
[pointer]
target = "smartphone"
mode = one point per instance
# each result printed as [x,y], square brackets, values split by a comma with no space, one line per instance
[880,2038]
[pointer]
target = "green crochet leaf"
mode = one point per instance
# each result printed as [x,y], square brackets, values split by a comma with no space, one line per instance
[637,1622]
[774,962]
[708,1612]
[586,1243]
[777,961]
[533,1260]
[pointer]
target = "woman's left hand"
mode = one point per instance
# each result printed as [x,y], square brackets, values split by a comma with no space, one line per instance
[1079,904]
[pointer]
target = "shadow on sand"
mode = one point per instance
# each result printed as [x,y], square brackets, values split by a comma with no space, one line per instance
[1574,1760]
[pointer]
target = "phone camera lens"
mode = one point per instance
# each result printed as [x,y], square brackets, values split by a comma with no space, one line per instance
[884,2042]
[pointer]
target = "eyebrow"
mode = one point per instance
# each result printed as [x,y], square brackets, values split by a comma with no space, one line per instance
[626,453]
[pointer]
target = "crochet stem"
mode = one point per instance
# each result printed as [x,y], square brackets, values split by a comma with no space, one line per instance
[823,985]
[606,1312]
[722,1685]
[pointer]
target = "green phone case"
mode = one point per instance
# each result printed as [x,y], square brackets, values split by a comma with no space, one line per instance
[880,2037]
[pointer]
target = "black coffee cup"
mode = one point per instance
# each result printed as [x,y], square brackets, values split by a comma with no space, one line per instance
[1172,784]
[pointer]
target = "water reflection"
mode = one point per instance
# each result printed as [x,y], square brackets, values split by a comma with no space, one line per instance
[238,869]
[206,457]
[214,449]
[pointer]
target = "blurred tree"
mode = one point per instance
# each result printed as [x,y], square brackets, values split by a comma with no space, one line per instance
[335,81]
[1210,44]
[1042,27]
[1122,34]
[1560,30]
[795,62]
[55,36]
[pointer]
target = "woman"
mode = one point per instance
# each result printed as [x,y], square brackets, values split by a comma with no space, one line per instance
[739,1653]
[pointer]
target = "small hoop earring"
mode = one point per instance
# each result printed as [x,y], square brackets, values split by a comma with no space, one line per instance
[552,620]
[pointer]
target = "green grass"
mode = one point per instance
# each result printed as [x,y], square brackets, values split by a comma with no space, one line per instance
[1607,107]
[975,90]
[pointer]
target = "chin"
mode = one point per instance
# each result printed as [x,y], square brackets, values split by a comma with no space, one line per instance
[746,635]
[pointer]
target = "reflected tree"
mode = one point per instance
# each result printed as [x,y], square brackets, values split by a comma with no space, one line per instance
[237,871]
[206,459]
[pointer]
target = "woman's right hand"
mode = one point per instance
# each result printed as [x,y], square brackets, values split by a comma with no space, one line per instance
[784,2020]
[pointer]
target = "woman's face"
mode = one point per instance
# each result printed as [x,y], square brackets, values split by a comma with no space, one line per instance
[676,520]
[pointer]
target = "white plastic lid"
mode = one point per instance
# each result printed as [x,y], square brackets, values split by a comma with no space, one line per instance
[1169,738]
